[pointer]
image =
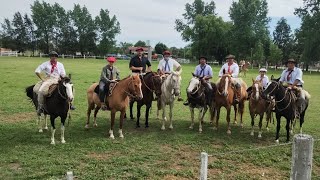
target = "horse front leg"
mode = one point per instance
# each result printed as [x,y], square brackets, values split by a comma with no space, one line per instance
[217,118]
[121,123]
[147,115]
[201,113]
[241,110]
[235,107]
[88,116]
[212,114]
[131,107]
[278,128]
[96,110]
[192,117]
[53,129]
[138,115]
[164,119]
[228,120]
[170,115]
[252,123]
[113,114]
[39,123]
[288,130]
[63,120]
[260,125]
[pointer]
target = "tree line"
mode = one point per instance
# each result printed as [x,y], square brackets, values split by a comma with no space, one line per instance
[246,35]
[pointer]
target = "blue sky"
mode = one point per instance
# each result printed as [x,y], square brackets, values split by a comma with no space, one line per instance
[154,19]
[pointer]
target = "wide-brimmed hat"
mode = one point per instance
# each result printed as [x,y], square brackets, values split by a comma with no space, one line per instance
[291,60]
[139,49]
[53,53]
[111,59]
[263,70]
[230,56]
[167,52]
[203,57]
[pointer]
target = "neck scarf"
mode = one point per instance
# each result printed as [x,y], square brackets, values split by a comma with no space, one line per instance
[53,65]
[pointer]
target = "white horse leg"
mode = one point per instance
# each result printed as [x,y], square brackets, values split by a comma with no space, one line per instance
[170,115]
[111,134]
[164,119]
[120,133]
[192,117]
[252,131]
[260,134]
[53,131]
[39,124]
[62,134]
[46,122]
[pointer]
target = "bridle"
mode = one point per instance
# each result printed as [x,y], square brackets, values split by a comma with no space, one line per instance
[221,93]
[128,93]
[284,96]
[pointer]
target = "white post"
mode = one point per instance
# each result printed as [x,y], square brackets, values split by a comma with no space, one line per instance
[72,56]
[84,56]
[69,175]
[62,56]
[302,153]
[40,54]
[204,166]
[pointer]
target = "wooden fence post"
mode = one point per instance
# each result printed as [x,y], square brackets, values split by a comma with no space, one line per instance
[302,153]
[204,166]
[69,175]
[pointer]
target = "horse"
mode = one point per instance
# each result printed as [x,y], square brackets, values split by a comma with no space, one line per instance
[244,67]
[197,99]
[224,96]
[118,100]
[170,88]
[56,105]
[151,83]
[258,106]
[285,102]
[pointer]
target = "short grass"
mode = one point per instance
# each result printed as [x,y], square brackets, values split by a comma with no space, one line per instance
[143,153]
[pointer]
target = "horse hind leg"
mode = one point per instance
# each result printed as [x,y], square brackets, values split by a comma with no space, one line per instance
[235,114]
[192,117]
[121,124]
[147,116]
[113,114]
[53,129]
[62,130]
[201,114]
[39,123]
[96,110]
[138,115]
[90,107]
[252,124]
[170,115]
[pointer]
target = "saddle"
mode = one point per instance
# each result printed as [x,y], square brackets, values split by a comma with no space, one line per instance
[112,85]
[51,89]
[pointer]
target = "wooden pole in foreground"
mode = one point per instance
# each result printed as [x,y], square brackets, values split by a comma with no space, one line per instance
[204,166]
[302,153]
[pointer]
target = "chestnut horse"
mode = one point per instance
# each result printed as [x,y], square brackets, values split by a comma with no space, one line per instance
[118,100]
[224,96]
[244,67]
[258,106]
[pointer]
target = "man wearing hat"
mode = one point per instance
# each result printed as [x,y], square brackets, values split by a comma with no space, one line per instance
[204,71]
[53,71]
[138,63]
[109,74]
[167,64]
[232,69]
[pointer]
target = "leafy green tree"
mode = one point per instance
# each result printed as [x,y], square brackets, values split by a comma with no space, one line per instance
[160,47]
[124,47]
[7,34]
[30,34]
[275,54]
[140,44]
[282,37]
[20,34]
[108,28]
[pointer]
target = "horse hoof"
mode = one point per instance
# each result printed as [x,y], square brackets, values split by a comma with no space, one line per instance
[191,127]
[200,131]
[53,143]
[95,125]
[252,133]
[40,130]
[132,118]
[277,141]
[147,126]
[215,128]
[46,128]
[63,141]
[111,136]
[267,129]
[163,128]
[291,132]
[241,125]
[259,136]
[121,136]
[235,122]
[228,132]
[170,127]
[87,126]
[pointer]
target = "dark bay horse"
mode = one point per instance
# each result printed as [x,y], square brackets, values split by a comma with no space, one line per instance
[56,105]
[151,83]
[197,99]
[118,100]
[285,102]
[224,96]
[258,106]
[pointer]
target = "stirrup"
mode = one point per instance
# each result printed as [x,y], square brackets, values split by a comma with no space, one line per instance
[186,103]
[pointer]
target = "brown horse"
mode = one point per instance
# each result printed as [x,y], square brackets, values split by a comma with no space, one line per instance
[258,106]
[225,97]
[118,100]
[244,67]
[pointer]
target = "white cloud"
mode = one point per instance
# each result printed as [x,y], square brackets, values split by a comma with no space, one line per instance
[148,19]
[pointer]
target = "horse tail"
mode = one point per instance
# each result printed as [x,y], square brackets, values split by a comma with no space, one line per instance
[29,91]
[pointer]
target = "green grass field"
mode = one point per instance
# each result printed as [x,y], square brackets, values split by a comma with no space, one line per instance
[143,153]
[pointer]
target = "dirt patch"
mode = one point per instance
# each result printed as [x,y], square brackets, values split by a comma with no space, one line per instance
[18,117]
[101,156]
[15,166]
[172,177]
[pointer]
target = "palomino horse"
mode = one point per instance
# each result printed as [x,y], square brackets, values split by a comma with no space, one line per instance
[225,97]
[170,88]
[285,102]
[151,82]
[197,99]
[258,106]
[118,100]
[56,105]
[244,67]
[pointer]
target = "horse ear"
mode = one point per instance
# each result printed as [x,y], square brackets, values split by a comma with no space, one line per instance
[193,74]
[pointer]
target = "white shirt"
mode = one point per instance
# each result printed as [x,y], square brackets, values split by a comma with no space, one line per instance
[46,67]
[295,74]
[206,71]
[168,67]
[233,70]
[265,80]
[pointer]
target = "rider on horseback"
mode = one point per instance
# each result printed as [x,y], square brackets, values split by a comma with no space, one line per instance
[138,63]
[261,77]
[232,69]
[53,70]
[204,71]
[292,78]
[109,74]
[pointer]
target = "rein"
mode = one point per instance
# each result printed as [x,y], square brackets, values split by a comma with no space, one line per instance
[152,90]
[284,96]
[62,96]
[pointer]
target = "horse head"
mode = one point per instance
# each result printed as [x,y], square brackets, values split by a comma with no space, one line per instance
[257,89]
[135,87]
[66,82]
[271,88]
[194,84]
[176,81]
[224,84]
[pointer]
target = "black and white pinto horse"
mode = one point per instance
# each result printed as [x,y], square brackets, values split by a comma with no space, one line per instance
[56,105]
[285,102]
[197,99]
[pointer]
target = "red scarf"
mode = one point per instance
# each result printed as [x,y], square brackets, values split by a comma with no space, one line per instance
[229,68]
[53,65]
